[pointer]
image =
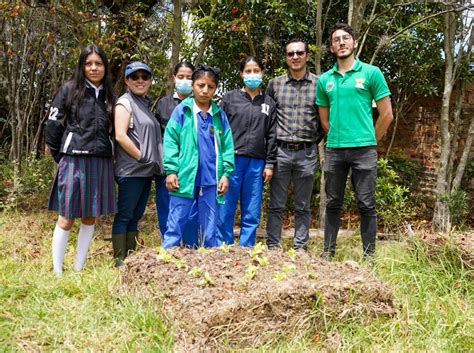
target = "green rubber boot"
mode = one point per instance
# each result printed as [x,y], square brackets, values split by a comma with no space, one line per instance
[131,242]
[119,243]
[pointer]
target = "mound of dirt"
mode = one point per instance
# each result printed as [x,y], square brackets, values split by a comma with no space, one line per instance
[464,243]
[246,297]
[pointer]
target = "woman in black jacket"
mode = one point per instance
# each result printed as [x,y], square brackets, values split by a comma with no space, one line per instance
[79,136]
[252,119]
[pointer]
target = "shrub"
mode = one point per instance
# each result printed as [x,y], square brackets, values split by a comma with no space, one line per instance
[458,207]
[35,181]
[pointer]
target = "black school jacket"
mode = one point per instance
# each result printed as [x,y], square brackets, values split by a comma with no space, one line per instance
[253,125]
[86,134]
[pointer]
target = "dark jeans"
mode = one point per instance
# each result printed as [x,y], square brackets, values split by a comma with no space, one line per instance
[363,163]
[299,167]
[132,199]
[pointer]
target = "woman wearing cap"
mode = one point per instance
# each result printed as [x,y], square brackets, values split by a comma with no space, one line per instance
[182,74]
[252,118]
[138,157]
[78,134]
[198,159]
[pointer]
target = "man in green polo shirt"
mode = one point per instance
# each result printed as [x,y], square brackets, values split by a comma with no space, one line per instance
[344,96]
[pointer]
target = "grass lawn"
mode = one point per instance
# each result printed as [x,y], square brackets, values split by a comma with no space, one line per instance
[87,311]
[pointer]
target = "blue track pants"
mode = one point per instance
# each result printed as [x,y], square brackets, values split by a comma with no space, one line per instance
[247,185]
[162,197]
[180,209]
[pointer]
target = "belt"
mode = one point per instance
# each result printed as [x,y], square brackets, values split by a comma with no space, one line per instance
[294,146]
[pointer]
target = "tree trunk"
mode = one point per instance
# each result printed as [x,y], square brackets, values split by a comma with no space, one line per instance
[175,39]
[441,217]
[464,157]
[356,13]
[319,54]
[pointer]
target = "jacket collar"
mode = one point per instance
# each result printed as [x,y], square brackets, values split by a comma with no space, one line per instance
[189,103]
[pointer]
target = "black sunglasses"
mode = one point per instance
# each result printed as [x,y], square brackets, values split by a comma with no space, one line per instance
[299,53]
[136,77]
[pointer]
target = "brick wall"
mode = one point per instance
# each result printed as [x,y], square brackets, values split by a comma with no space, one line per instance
[418,135]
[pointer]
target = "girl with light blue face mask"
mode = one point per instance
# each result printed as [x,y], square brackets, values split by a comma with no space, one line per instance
[182,74]
[183,82]
[252,117]
[252,75]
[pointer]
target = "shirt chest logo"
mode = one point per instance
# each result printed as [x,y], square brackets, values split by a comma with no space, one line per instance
[265,109]
[329,86]
[360,82]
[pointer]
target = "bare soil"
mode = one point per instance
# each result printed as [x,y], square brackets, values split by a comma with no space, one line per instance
[239,297]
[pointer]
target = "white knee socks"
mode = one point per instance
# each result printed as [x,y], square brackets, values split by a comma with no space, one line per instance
[60,237]
[83,241]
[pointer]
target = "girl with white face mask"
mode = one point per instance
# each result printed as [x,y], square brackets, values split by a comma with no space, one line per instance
[252,118]
[182,74]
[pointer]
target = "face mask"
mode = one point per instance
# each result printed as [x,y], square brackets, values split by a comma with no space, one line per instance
[184,86]
[253,81]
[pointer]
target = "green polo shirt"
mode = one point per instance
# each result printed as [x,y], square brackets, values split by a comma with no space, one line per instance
[349,99]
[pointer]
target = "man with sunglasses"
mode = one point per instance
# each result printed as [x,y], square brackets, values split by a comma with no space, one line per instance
[344,95]
[297,136]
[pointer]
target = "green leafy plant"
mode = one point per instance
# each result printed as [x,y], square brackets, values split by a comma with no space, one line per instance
[226,247]
[164,256]
[458,207]
[279,276]
[207,280]
[250,272]
[262,260]
[196,271]
[257,250]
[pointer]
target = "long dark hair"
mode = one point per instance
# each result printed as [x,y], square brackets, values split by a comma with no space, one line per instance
[78,83]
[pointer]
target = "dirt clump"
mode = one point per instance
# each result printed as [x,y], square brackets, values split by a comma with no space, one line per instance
[242,297]
[462,242]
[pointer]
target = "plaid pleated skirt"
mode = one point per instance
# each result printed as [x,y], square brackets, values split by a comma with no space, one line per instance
[83,187]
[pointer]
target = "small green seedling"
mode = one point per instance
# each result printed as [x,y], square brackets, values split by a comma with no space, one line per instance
[203,250]
[196,271]
[164,256]
[311,275]
[207,280]
[251,272]
[289,268]
[279,276]
[257,250]
[262,261]
[226,247]
[180,264]
[292,254]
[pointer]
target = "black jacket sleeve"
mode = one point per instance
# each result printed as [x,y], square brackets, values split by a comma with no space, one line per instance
[270,138]
[55,126]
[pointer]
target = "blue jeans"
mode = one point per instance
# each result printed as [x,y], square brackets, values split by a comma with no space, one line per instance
[363,163]
[245,184]
[180,209]
[162,197]
[132,199]
[299,168]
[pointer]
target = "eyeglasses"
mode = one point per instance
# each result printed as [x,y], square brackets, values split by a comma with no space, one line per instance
[345,38]
[136,77]
[299,53]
